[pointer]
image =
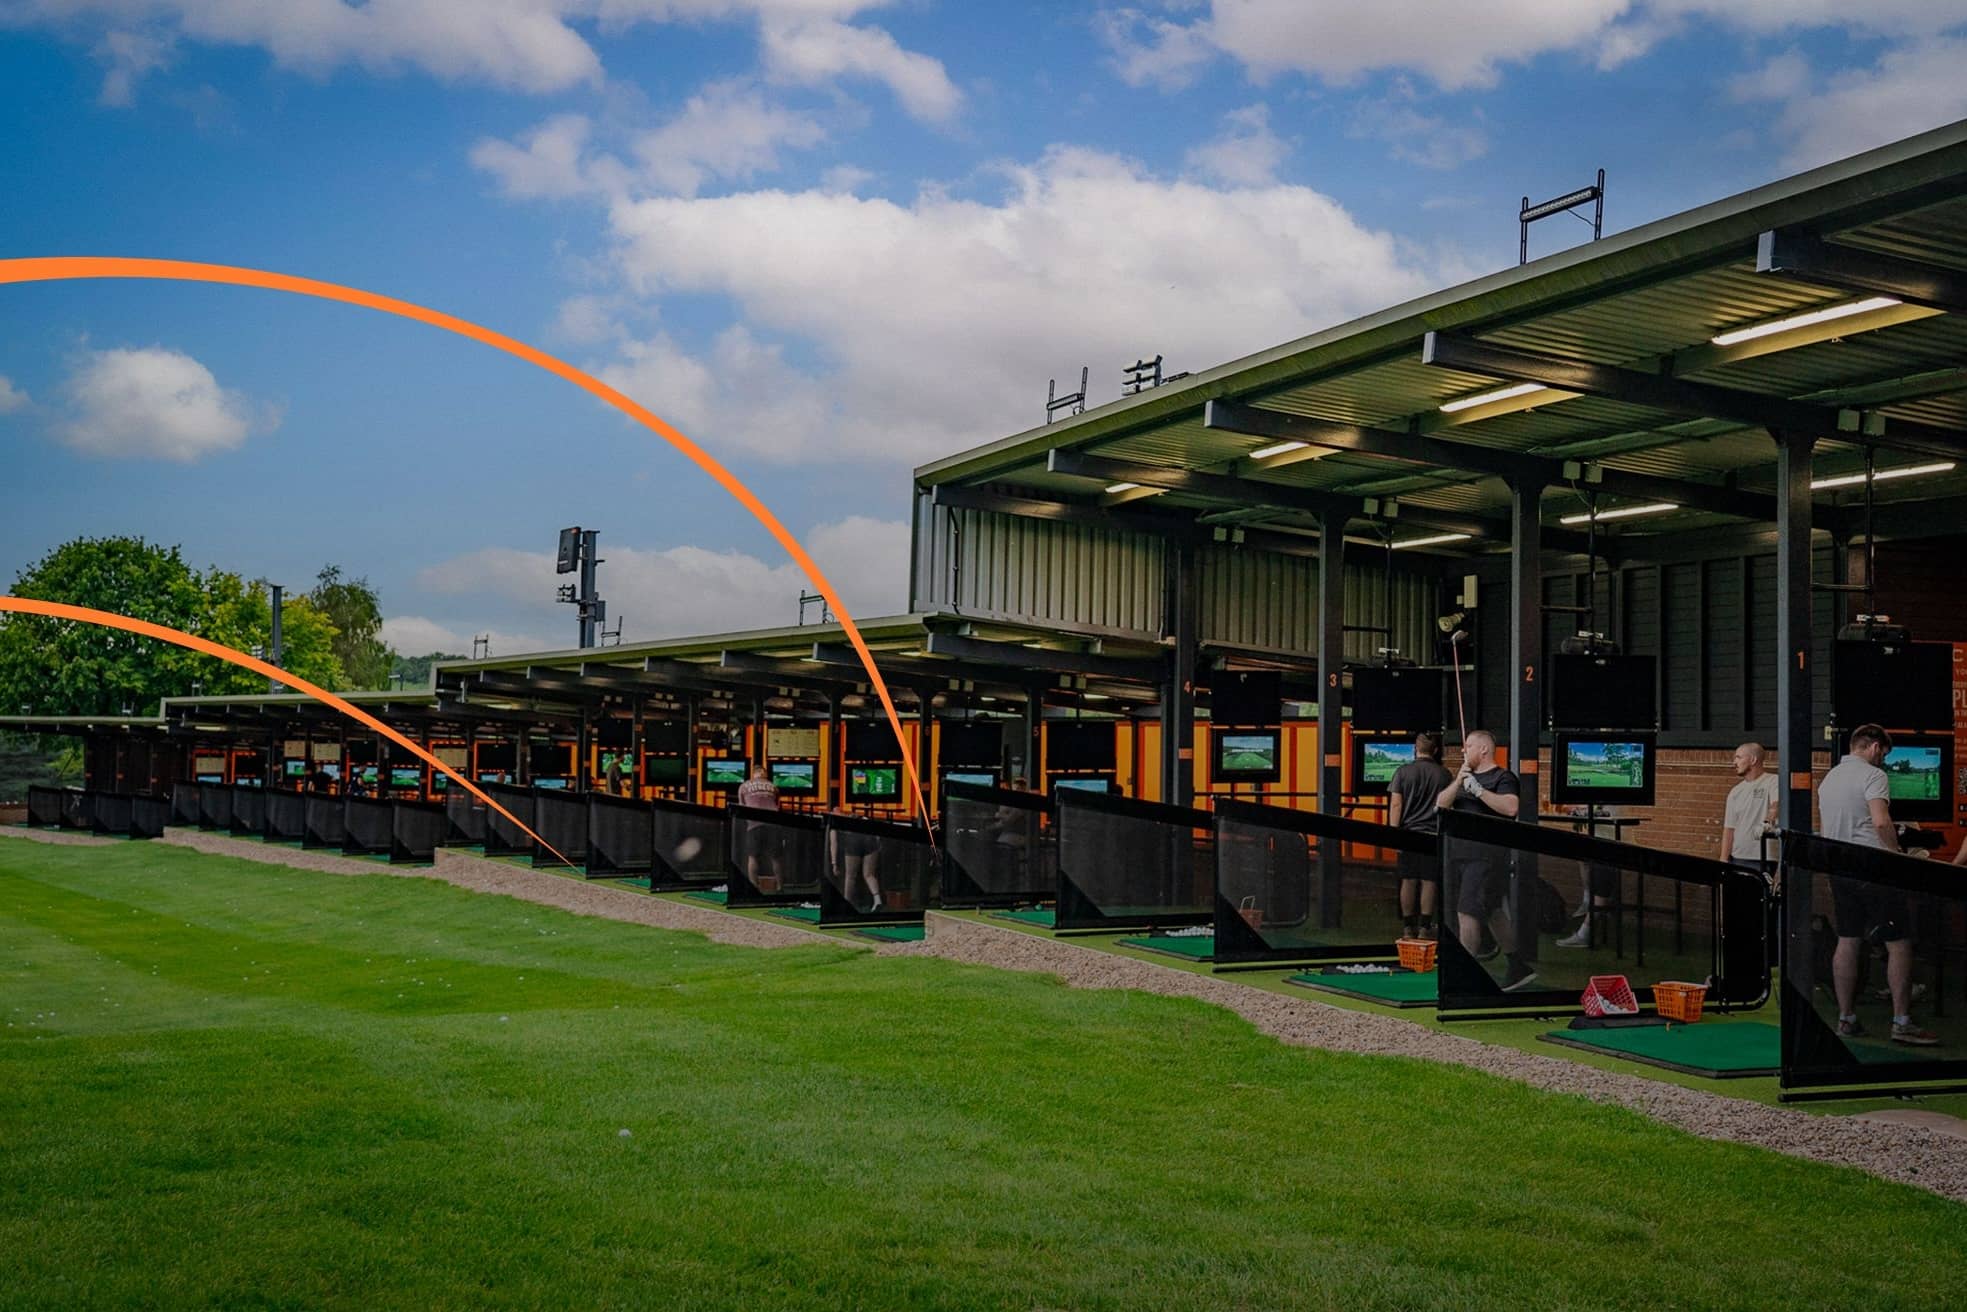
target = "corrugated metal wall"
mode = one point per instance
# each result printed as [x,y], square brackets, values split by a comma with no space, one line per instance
[1257,599]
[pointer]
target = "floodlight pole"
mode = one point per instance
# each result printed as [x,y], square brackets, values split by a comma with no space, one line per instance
[577,552]
[273,685]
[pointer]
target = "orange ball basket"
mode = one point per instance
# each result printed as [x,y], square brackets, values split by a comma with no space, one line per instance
[1610,995]
[1678,1001]
[1416,954]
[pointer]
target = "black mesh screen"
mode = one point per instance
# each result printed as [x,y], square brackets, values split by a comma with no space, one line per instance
[44,806]
[775,856]
[1125,864]
[327,821]
[248,811]
[689,845]
[109,813]
[149,815]
[1871,934]
[465,815]
[1298,886]
[502,836]
[1530,914]
[370,823]
[560,819]
[184,804]
[619,836]
[416,830]
[876,872]
[1000,848]
[215,806]
[77,807]
[286,815]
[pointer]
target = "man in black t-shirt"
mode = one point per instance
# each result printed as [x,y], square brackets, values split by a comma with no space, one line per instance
[1411,797]
[1485,788]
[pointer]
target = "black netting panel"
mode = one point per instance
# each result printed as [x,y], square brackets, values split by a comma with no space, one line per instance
[775,857]
[109,813]
[215,806]
[1871,934]
[286,816]
[502,836]
[620,835]
[1530,914]
[689,845]
[248,811]
[184,804]
[1127,864]
[149,815]
[560,819]
[44,806]
[416,830]
[327,821]
[876,872]
[1297,886]
[1000,847]
[76,808]
[466,819]
[370,823]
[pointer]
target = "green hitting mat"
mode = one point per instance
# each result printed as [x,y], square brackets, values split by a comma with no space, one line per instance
[805,915]
[1716,1051]
[1040,916]
[709,895]
[893,933]
[1189,947]
[1399,988]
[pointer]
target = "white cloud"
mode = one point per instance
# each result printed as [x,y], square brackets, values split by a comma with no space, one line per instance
[1910,89]
[156,403]
[680,590]
[130,56]
[1245,154]
[739,397]
[813,52]
[12,398]
[1151,51]
[1428,140]
[845,178]
[725,131]
[417,635]
[547,165]
[1780,78]
[587,320]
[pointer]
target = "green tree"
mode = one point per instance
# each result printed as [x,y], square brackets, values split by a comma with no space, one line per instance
[351,606]
[241,617]
[416,669]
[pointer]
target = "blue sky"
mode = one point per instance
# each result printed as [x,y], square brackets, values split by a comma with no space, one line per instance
[829,239]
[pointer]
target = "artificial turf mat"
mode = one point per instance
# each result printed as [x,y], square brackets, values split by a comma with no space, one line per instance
[1719,1052]
[806,915]
[893,933]
[1040,916]
[1189,947]
[710,895]
[1400,988]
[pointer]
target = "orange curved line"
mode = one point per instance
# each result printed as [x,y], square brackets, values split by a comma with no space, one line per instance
[62,268]
[109,619]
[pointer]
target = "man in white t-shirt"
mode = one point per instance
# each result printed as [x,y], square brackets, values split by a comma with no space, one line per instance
[1750,811]
[1854,806]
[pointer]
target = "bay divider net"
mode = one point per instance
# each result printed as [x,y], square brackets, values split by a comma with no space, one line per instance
[465,817]
[327,822]
[248,811]
[286,816]
[369,825]
[110,813]
[560,819]
[620,837]
[1556,908]
[215,806]
[502,837]
[689,845]
[149,814]
[77,809]
[1000,847]
[416,831]
[184,804]
[44,806]
[1855,919]
[1127,864]
[1303,887]
[775,857]
[876,872]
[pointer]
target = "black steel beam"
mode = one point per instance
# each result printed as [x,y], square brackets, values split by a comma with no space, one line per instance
[1794,603]
[1331,687]
[925,673]
[1019,656]
[799,674]
[1807,257]
[1132,521]
[1216,487]
[1526,644]
[1184,613]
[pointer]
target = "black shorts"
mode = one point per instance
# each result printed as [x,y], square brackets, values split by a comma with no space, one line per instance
[1866,910]
[1419,865]
[858,845]
[1482,887]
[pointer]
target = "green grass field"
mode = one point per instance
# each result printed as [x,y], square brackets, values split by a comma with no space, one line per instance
[233,1085]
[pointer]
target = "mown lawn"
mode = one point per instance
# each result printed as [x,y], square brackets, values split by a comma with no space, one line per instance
[227,1084]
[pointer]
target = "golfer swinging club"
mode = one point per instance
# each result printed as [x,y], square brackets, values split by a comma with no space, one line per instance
[1483,786]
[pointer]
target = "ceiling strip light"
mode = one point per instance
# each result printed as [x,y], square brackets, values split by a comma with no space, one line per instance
[1121,487]
[1623,512]
[1805,320]
[1903,471]
[1265,453]
[1484,398]
[1435,541]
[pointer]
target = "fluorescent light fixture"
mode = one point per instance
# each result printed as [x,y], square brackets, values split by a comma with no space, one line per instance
[1484,398]
[1435,541]
[1623,512]
[1804,320]
[1265,453]
[1121,487]
[1879,476]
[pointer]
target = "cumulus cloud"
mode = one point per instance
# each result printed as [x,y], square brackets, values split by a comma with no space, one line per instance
[418,635]
[1413,135]
[12,398]
[1245,154]
[128,57]
[813,52]
[546,164]
[726,131]
[680,590]
[1909,89]
[739,396]
[154,403]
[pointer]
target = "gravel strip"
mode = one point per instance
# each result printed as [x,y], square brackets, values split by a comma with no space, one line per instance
[1910,1154]
[581,897]
[59,837]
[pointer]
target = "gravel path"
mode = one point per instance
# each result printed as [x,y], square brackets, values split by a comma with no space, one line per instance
[1912,1154]
[59,837]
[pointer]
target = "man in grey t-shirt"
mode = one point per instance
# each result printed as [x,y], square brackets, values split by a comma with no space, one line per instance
[1750,811]
[1854,806]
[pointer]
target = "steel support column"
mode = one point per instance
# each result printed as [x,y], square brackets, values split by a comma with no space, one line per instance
[1793,623]
[1178,698]
[1526,641]
[1331,703]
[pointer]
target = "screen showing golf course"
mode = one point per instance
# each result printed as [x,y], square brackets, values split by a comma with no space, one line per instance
[723,772]
[1378,761]
[1594,764]
[1246,755]
[1913,773]
[795,776]
[874,781]
[405,777]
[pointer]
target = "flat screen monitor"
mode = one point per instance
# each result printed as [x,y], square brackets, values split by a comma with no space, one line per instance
[870,740]
[405,776]
[1246,755]
[331,768]
[664,771]
[1079,745]
[723,771]
[400,755]
[1375,759]
[614,731]
[796,776]
[1246,697]
[1603,692]
[971,743]
[498,756]
[211,778]
[1900,685]
[551,759]
[439,782]
[552,782]
[874,783]
[984,778]
[367,776]
[493,776]
[1612,769]
[453,756]
[294,769]
[248,765]
[1400,699]
[1919,777]
[1083,785]
[362,751]
[668,737]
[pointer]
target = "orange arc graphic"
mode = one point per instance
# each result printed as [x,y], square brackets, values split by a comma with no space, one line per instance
[109,619]
[66,268]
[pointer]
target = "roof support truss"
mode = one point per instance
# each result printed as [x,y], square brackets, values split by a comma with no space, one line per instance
[1807,257]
